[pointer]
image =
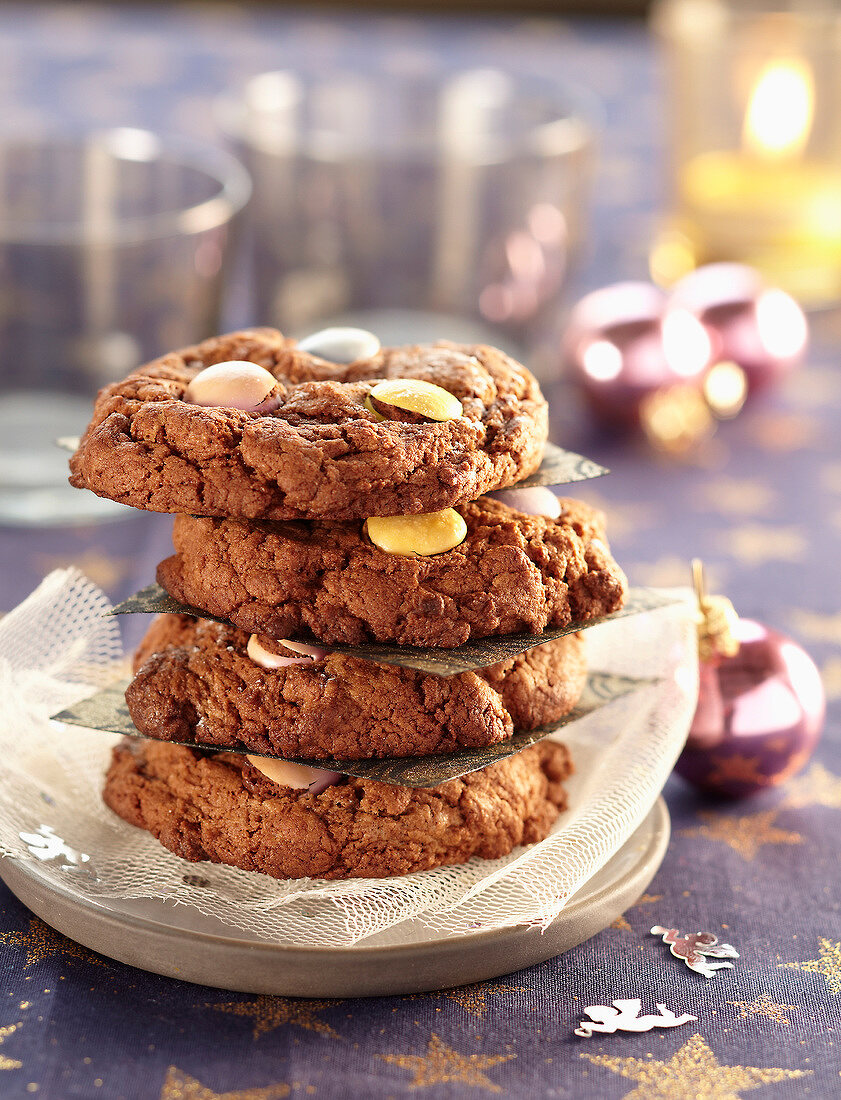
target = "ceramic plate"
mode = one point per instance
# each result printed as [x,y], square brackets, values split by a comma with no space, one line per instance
[180,942]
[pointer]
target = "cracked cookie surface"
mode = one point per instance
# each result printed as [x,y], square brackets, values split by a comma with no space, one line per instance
[321,452]
[195,682]
[513,572]
[220,808]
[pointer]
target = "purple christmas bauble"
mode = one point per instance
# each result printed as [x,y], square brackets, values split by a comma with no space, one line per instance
[759,715]
[760,328]
[621,346]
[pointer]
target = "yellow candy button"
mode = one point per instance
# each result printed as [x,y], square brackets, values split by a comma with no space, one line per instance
[433,533]
[371,409]
[415,396]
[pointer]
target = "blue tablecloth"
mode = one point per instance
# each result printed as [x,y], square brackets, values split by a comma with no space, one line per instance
[765,514]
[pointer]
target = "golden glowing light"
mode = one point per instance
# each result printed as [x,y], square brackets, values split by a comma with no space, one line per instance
[602,360]
[725,388]
[782,324]
[676,420]
[672,256]
[780,112]
[686,343]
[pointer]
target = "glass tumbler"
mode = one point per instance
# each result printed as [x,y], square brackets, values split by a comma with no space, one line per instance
[112,250]
[379,191]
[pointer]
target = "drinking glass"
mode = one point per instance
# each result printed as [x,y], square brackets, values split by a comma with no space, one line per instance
[384,193]
[112,250]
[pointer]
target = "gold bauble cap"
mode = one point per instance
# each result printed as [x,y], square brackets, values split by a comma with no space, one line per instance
[717,620]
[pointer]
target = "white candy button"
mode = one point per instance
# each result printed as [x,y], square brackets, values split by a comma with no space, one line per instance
[536,500]
[236,384]
[341,345]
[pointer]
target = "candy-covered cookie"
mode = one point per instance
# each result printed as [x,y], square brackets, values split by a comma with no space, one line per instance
[252,426]
[220,807]
[486,568]
[208,682]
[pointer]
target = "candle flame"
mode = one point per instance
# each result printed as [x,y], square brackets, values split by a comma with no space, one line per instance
[780,111]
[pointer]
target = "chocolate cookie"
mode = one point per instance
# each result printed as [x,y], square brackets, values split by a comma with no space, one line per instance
[317,448]
[196,682]
[512,572]
[220,808]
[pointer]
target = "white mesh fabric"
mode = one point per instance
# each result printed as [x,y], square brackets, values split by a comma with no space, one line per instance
[57,647]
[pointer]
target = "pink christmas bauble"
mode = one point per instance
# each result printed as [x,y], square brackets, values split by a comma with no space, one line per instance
[760,328]
[622,345]
[759,715]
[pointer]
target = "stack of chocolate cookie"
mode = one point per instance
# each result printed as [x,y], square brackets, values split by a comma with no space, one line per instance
[332,494]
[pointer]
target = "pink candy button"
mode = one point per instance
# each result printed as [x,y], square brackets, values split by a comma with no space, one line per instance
[266,659]
[299,777]
[233,385]
[536,500]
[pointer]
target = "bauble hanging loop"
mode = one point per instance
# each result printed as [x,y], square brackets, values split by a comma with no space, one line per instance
[717,622]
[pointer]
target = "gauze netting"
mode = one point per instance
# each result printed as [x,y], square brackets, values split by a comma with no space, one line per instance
[57,647]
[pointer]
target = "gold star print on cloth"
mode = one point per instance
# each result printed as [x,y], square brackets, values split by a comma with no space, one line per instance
[646,899]
[818,627]
[625,518]
[764,1005]
[42,942]
[783,432]
[831,477]
[736,496]
[472,998]
[5,1032]
[271,1012]
[672,571]
[181,1086]
[818,787]
[692,1073]
[442,1065]
[756,543]
[100,568]
[831,676]
[814,387]
[827,964]
[745,835]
